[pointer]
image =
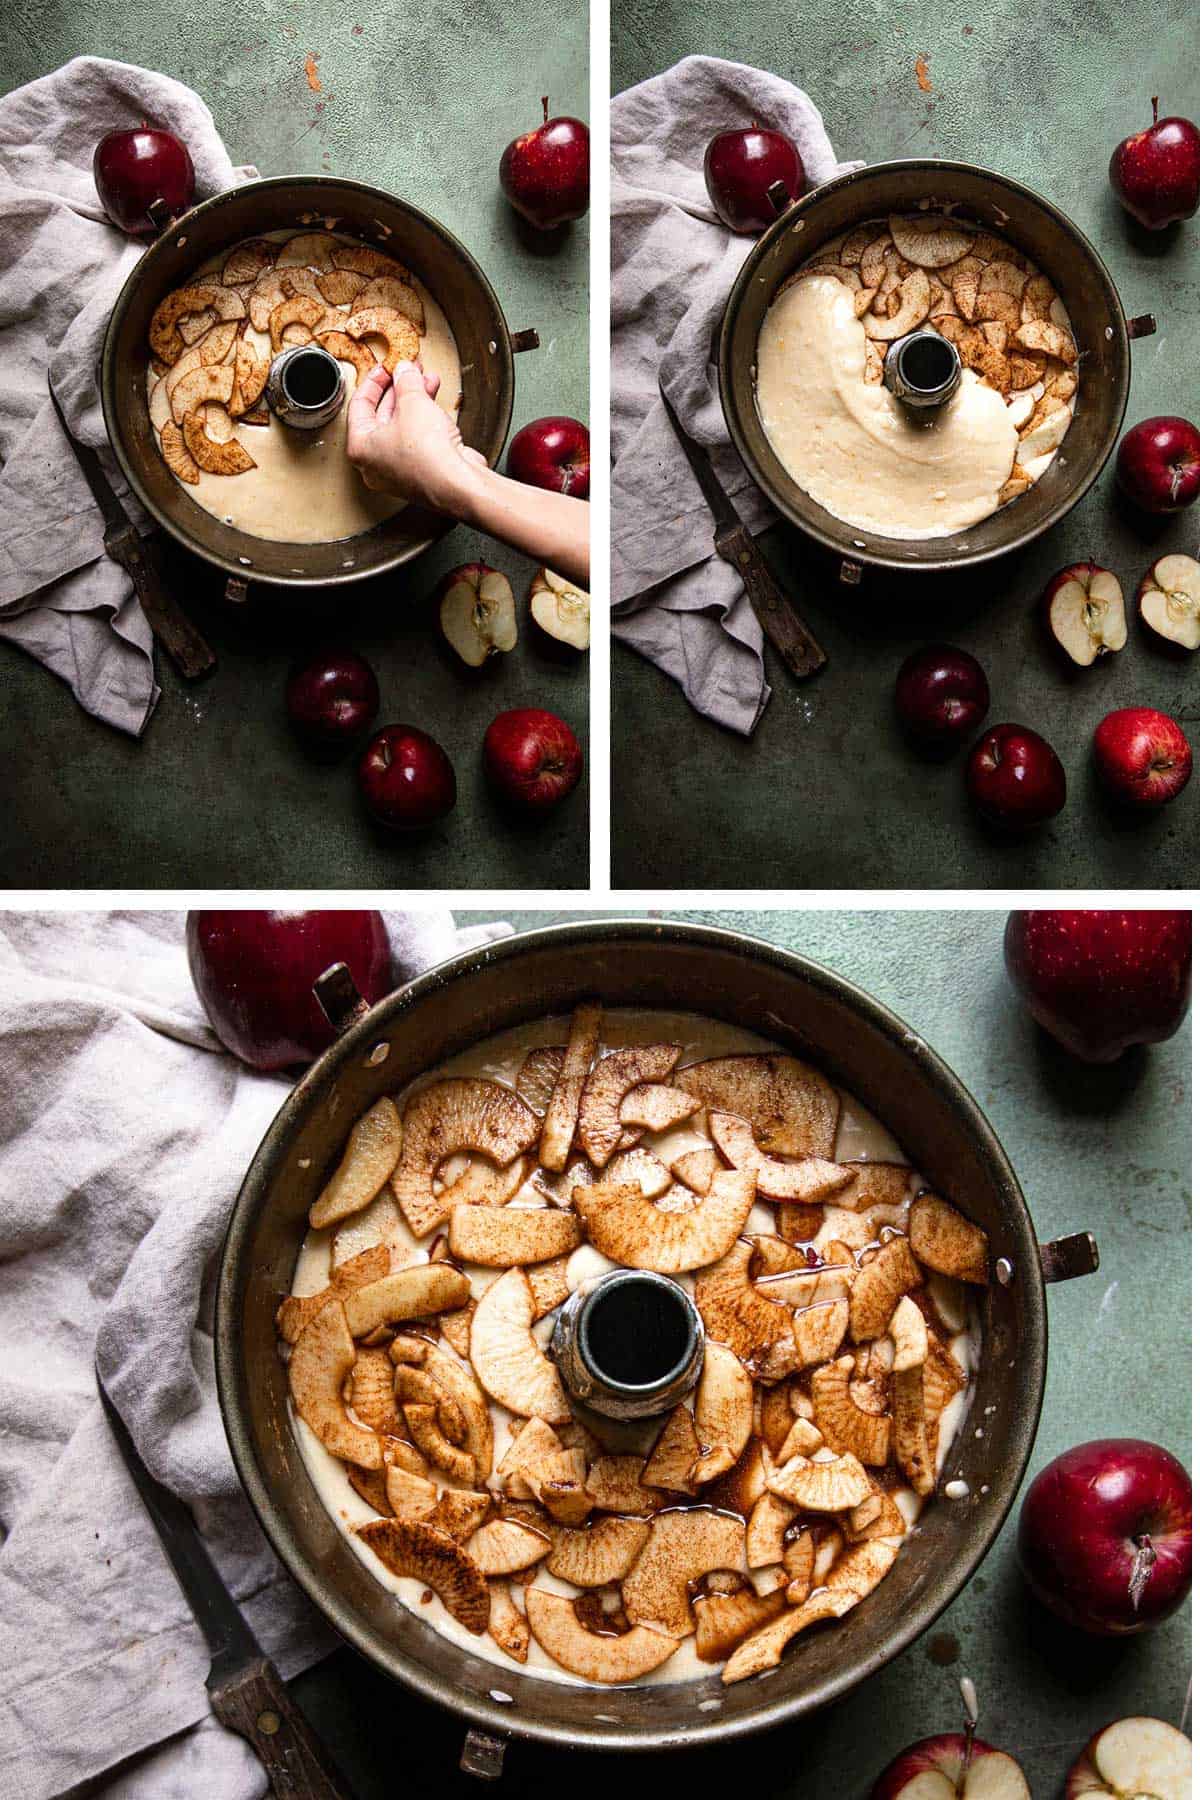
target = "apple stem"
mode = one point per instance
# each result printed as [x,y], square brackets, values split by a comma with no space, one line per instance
[1154,106]
[1143,1563]
[546,109]
[970,1727]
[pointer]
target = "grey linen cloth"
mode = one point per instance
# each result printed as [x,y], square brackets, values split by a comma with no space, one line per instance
[125,1134]
[62,265]
[673,264]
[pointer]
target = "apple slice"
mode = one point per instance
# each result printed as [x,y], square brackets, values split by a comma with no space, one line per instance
[1085,611]
[1169,600]
[477,613]
[1146,1757]
[951,1767]
[561,609]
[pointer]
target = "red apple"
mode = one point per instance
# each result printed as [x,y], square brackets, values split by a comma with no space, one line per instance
[331,698]
[1105,1536]
[532,758]
[1158,464]
[554,453]
[1155,174]
[544,173]
[739,167]
[1084,610]
[254,973]
[1099,982]
[1144,1757]
[406,779]
[1143,757]
[941,696]
[951,1767]
[139,170]
[1014,778]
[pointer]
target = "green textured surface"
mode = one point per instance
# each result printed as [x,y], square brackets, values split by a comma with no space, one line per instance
[216,794]
[1107,1150]
[1042,95]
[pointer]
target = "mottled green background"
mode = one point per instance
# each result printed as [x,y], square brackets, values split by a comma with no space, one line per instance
[1100,1149]
[826,795]
[421,100]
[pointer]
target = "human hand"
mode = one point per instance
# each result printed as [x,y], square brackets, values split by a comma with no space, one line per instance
[402,442]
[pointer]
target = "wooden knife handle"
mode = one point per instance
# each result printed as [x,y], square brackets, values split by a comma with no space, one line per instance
[259,1708]
[169,623]
[774,611]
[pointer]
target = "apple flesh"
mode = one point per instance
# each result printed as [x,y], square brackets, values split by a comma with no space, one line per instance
[1084,610]
[562,610]
[1155,173]
[951,1767]
[1105,1536]
[331,698]
[1158,464]
[1014,778]
[144,178]
[532,758]
[941,696]
[477,613]
[544,173]
[1169,600]
[1143,1757]
[254,973]
[1143,757]
[406,779]
[553,453]
[1100,982]
[740,166]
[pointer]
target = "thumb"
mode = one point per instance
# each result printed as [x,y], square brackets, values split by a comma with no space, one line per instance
[408,379]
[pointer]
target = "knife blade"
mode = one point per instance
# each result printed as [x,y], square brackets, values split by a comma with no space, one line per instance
[170,625]
[735,545]
[244,1687]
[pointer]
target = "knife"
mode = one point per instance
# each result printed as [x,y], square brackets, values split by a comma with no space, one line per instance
[244,1686]
[170,625]
[733,542]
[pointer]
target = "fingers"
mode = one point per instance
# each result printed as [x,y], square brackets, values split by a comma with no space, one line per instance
[408,379]
[361,414]
[432,385]
[387,408]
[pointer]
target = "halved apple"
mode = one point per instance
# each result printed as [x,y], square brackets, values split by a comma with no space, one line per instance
[1146,1757]
[477,613]
[561,609]
[1169,600]
[1085,612]
[951,1767]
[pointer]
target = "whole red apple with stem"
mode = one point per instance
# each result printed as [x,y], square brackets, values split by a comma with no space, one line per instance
[544,173]
[331,698]
[1158,464]
[1143,757]
[553,453]
[254,973]
[406,779]
[532,758]
[1155,173]
[941,696]
[1101,981]
[1143,1757]
[144,178]
[1014,778]
[1105,1536]
[740,166]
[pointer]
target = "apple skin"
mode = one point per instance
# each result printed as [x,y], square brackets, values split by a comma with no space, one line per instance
[739,167]
[1143,757]
[942,696]
[1100,982]
[544,173]
[331,698]
[553,453]
[1080,1521]
[1158,464]
[946,1753]
[1155,173]
[532,758]
[254,973]
[406,779]
[132,169]
[1014,778]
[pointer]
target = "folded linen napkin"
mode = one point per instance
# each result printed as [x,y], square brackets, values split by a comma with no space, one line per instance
[62,265]
[125,1135]
[673,264]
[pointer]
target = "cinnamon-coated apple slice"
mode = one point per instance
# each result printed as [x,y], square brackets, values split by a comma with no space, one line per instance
[1085,612]
[1169,600]
[477,613]
[1140,1756]
[562,610]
